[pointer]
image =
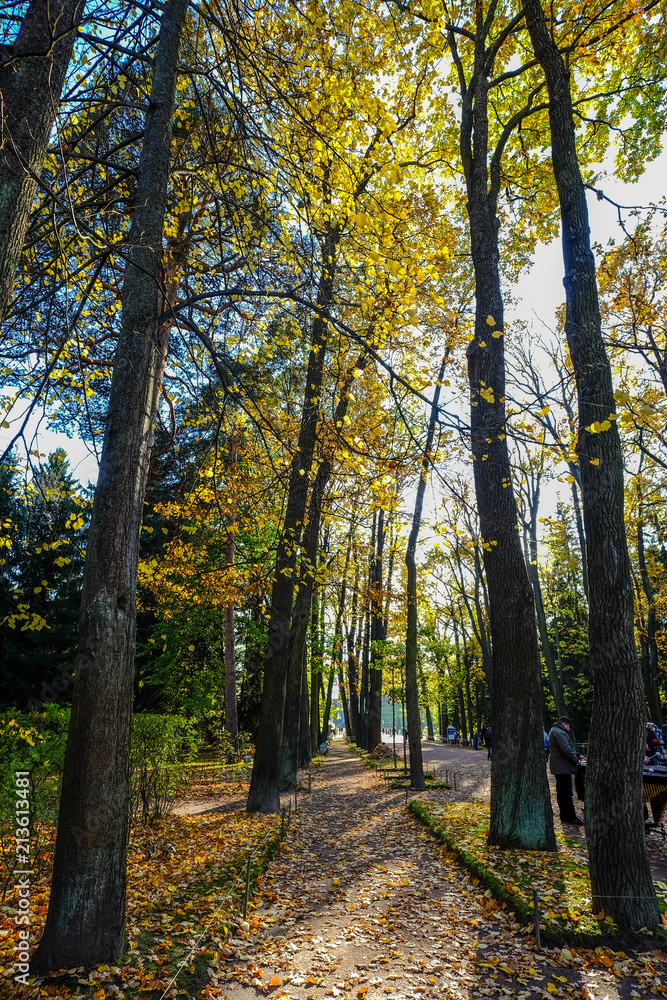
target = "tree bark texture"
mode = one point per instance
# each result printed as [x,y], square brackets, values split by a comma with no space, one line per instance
[377,635]
[264,792]
[411,685]
[307,570]
[650,650]
[352,671]
[621,879]
[85,921]
[521,814]
[31,81]
[304,715]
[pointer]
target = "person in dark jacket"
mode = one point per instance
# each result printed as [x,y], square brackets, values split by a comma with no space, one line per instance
[563,761]
[488,740]
[652,741]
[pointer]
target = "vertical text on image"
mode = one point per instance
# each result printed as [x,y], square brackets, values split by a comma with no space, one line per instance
[22,874]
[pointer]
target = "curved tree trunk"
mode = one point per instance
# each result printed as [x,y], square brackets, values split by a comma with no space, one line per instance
[85,922]
[621,879]
[31,83]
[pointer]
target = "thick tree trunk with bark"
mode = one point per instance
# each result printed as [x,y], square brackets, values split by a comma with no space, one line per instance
[621,879]
[521,813]
[32,75]
[264,793]
[85,922]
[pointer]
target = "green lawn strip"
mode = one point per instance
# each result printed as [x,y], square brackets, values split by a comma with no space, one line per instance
[510,877]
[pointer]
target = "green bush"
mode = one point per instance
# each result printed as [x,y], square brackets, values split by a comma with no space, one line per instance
[162,748]
[33,742]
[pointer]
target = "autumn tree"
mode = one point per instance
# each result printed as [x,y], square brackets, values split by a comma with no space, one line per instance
[621,879]
[85,921]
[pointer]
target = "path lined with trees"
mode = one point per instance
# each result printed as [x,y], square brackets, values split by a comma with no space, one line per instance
[258,259]
[362,902]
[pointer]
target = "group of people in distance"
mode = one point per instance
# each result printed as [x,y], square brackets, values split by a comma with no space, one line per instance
[565,761]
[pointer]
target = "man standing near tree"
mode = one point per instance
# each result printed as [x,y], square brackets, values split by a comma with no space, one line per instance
[563,761]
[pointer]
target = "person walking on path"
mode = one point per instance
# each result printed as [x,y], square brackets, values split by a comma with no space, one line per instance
[488,740]
[563,762]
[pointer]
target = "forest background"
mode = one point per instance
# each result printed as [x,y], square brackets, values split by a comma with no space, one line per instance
[334,206]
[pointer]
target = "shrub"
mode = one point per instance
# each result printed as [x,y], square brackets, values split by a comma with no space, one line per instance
[162,748]
[33,742]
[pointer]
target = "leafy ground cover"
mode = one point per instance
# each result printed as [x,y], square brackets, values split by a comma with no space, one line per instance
[186,884]
[561,879]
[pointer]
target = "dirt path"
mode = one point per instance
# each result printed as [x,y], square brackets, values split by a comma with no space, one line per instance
[473,781]
[362,903]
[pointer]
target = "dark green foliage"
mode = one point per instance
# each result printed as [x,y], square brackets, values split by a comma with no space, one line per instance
[45,522]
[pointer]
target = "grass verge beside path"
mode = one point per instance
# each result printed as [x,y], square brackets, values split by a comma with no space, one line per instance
[562,879]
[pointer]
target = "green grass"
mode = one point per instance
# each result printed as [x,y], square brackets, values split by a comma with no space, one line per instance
[561,878]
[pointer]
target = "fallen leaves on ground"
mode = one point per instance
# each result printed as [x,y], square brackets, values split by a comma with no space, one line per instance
[186,879]
[561,878]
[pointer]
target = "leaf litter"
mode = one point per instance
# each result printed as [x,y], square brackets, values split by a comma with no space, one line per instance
[360,903]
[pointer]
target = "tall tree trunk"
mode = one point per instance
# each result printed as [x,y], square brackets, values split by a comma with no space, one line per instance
[521,814]
[315,672]
[471,724]
[377,620]
[650,671]
[545,639]
[306,586]
[304,721]
[343,698]
[365,685]
[411,688]
[264,792]
[621,880]
[580,527]
[327,704]
[352,671]
[86,917]
[31,81]
[231,718]
[427,707]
